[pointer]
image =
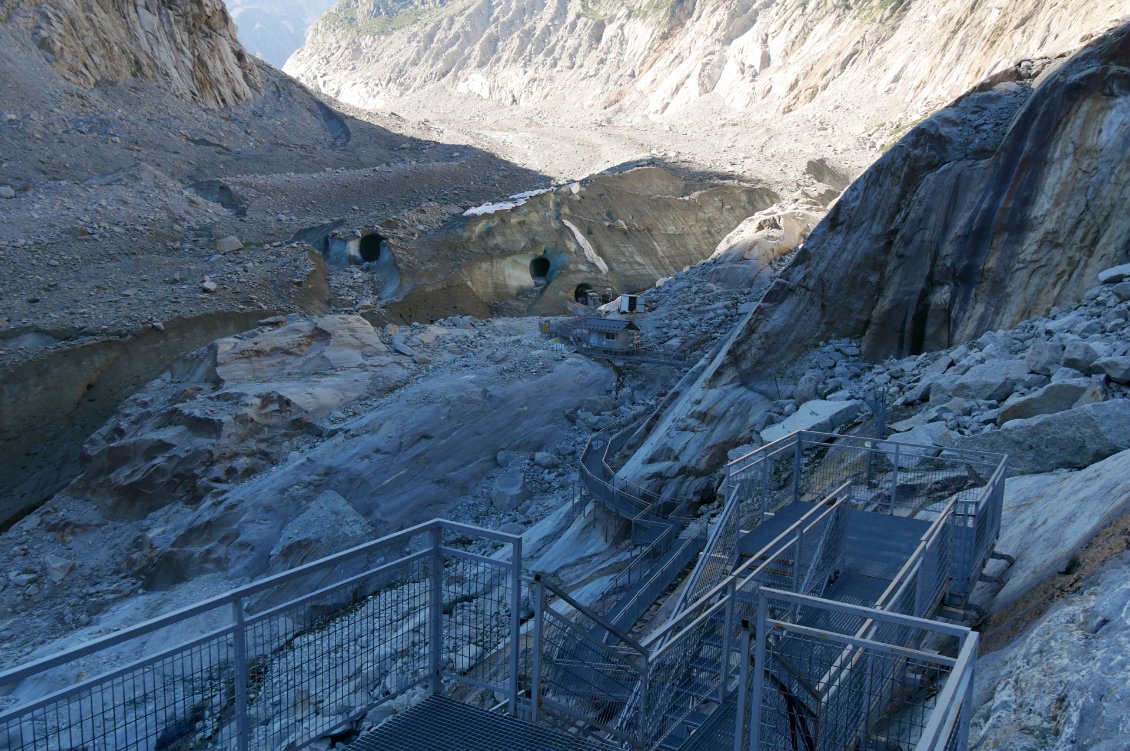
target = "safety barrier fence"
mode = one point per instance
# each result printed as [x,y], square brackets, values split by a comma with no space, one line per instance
[958,492]
[307,654]
[820,685]
[886,476]
[288,660]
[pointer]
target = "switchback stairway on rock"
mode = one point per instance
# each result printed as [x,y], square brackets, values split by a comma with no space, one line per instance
[803,626]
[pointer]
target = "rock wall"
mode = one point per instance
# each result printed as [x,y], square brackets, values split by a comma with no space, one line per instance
[1001,207]
[631,57]
[998,208]
[623,230]
[188,46]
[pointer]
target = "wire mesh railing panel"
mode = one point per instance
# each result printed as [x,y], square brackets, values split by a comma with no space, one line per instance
[717,559]
[316,666]
[688,670]
[279,663]
[822,689]
[583,674]
[903,692]
[186,697]
[477,619]
[627,613]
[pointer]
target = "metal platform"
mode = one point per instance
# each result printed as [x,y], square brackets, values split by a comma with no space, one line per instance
[878,545]
[443,724]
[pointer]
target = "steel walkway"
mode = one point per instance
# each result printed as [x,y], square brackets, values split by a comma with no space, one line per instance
[440,723]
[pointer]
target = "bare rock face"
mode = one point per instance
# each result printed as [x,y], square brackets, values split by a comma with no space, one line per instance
[535,253]
[641,56]
[188,46]
[997,209]
[231,411]
[271,448]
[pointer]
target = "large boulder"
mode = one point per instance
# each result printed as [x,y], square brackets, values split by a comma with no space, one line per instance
[1055,397]
[1043,356]
[1073,438]
[919,439]
[817,415]
[1117,368]
[509,490]
[231,410]
[328,524]
[994,380]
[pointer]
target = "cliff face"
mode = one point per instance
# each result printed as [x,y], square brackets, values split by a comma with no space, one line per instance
[642,57]
[186,46]
[999,208]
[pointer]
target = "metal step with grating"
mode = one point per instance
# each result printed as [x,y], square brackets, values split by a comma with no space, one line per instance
[443,724]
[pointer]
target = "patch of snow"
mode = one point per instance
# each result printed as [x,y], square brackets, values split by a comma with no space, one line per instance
[512,202]
[586,246]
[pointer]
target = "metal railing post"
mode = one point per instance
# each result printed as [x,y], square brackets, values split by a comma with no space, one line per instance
[798,551]
[895,481]
[243,724]
[646,720]
[726,635]
[744,674]
[758,667]
[515,623]
[865,726]
[967,700]
[535,669]
[435,622]
[796,467]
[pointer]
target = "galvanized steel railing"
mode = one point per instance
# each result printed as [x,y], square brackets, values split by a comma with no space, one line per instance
[880,476]
[583,668]
[288,660]
[882,685]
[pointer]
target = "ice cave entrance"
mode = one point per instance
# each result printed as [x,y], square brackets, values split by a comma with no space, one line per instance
[371,247]
[539,270]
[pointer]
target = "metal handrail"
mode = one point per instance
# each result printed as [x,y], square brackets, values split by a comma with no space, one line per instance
[591,614]
[30,669]
[54,712]
[742,575]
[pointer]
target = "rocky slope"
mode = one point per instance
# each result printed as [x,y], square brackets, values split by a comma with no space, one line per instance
[288,442]
[757,88]
[134,138]
[1007,203]
[272,31]
[187,48]
[630,56]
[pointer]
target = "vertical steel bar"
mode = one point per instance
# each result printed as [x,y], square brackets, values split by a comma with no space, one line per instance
[744,674]
[798,551]
[895,481]
[758,668]
[515,622]
[243,724]
[535,669]
[796,466]
[868,686]
[727,630]
[967,700]
[435,620]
